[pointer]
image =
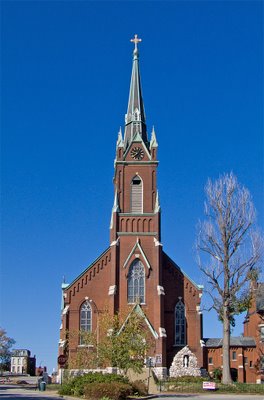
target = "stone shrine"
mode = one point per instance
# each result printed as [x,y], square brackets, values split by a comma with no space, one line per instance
[184,364]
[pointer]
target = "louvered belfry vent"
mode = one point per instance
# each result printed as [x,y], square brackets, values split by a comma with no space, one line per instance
[136,195]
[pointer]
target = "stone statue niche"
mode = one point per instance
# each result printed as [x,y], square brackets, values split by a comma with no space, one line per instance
[184,364]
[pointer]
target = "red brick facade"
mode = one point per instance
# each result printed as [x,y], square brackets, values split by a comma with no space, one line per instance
[135,236]
[247,351]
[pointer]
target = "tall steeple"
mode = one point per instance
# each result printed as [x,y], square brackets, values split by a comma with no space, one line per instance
[135,120]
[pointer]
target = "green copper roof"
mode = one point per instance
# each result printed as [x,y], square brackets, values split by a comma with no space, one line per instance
[138,310]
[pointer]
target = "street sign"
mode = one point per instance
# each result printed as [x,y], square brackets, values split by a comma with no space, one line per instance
[62,360]
[150,362]
[158,358]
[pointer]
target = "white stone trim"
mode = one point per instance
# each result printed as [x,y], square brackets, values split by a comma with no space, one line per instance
[65,310]
[160,290]
[115,243]
[62,343]
[112,290]
[162,332]
[137,245]
[156,242]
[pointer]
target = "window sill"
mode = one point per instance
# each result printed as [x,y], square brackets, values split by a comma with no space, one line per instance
[179,345]
[85,345]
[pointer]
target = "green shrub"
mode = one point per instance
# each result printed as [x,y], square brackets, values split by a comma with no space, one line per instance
[113,390]
[187,379]
[217,373]
[139,388]
[76,386]
[237,388]
[65,389]
[241,388]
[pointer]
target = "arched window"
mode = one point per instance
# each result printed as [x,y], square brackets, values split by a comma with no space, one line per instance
[180,326]
[136,195]
[85,320]
[136,283]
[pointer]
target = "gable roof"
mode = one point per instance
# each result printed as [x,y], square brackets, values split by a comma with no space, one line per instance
[199,287]
[138,310]
[137,245]
[235,341]
[86,269]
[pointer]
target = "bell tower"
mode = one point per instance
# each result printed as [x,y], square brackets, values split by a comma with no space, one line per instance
[136,194]
[135,220]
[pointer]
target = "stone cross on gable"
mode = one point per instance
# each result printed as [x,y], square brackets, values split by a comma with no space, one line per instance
[136,40]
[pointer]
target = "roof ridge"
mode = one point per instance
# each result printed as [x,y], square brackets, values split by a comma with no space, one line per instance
[199,287]
[89,267]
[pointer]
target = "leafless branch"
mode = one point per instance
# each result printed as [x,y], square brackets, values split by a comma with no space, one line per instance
[229,248]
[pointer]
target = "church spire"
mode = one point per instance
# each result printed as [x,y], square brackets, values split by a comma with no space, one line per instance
[135,120]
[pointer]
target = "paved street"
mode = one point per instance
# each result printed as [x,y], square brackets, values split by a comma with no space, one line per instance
[14,393]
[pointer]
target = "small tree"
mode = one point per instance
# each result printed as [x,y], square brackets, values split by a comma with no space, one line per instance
[6,344]
[86,355]
[123,341]
[119,341]
[228,252]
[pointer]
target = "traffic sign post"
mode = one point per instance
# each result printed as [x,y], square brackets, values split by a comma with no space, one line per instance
[62,359]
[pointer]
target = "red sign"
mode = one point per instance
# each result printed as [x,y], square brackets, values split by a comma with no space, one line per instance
[62,360]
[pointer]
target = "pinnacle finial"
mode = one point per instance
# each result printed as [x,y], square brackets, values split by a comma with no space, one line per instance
[119,142]
[157,203]
[135,40]
[116,205]
[153,141]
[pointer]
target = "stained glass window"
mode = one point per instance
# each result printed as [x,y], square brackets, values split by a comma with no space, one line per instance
[136,283]
[85,319]
[180,326]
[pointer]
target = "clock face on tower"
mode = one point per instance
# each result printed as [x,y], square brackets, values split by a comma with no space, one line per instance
[137,153]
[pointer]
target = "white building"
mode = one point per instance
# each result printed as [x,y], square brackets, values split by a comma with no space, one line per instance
[22,363]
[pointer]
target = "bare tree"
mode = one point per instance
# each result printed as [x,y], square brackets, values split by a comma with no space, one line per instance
[229,250]
[6,344]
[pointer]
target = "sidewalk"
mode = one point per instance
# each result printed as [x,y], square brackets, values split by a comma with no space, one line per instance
[16,389]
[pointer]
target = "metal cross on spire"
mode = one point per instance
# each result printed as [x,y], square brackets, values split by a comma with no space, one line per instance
[136,40]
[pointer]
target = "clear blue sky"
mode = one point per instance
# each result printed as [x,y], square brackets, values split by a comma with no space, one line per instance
[65,78]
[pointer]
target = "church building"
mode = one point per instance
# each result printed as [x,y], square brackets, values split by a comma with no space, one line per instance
[134,270]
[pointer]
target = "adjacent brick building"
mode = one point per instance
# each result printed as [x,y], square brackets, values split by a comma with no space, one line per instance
[247,351]
[134,269]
